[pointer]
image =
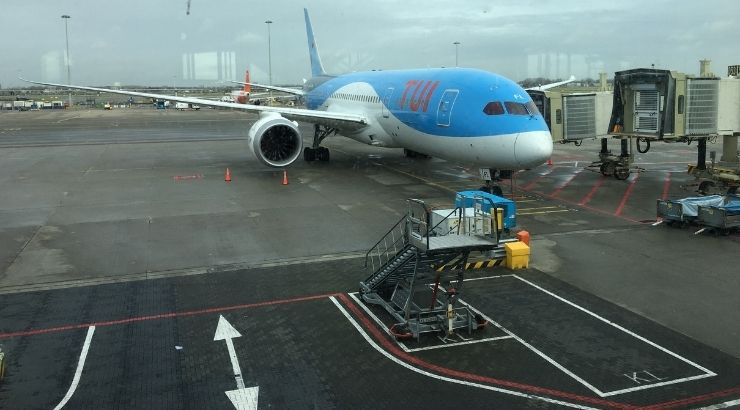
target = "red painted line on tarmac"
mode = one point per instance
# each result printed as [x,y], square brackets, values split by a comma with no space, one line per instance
[563,185]
[586,199]
[532,184]
[590,208]
[58,329]
[692,400]
[666,186]
[392,348]
[626,195]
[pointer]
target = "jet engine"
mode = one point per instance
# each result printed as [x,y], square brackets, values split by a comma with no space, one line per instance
[275,140]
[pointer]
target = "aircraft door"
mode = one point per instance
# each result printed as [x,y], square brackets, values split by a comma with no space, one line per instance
[444,111]
[386,106]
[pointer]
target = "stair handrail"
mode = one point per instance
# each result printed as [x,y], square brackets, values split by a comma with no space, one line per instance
[416,224]
[399,229]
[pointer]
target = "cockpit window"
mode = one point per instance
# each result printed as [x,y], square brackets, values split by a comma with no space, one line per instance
[516,108]
[494,108]
[532,108]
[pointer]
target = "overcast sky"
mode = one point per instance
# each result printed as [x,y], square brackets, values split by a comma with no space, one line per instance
[155,43]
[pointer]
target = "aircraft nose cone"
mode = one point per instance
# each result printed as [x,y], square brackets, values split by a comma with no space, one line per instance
[532,148]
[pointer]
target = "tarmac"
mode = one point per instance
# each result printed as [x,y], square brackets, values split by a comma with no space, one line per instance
[121,247]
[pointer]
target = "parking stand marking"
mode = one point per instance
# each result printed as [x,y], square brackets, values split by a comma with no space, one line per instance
[78,372]
[639,376]
[391,357]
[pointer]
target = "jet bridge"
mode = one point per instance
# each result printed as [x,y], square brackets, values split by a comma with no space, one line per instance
[408,279]
[573,117]
[659,105]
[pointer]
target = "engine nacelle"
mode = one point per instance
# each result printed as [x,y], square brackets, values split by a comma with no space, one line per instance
[275,140]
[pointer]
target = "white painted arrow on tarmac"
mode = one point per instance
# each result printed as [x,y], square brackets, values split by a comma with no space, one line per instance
[242,398]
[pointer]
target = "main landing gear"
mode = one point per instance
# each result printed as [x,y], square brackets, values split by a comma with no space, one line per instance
[316,151]
[414,154]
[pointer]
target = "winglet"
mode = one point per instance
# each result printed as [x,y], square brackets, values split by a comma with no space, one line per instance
[247,84]
[317,68]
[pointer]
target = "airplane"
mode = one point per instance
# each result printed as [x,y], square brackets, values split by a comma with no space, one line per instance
[240,96]
[464,115]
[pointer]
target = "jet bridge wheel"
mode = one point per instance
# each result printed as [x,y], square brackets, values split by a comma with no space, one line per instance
[705,187]
[607,168]
[621,173]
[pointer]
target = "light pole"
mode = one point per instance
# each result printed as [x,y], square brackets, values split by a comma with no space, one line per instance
[269,51]
[66,36]
[456,43]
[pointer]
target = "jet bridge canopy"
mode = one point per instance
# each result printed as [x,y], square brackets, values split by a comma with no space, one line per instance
[644,103]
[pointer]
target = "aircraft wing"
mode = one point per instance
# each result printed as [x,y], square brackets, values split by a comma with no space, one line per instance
[330,119]
[552,85]
[294,91]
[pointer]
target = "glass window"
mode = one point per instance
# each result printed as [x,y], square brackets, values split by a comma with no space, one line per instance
[516,108]
[494,108]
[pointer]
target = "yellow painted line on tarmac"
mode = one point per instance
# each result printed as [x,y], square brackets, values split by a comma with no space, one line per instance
[408,174]
[543,212]
[539,208]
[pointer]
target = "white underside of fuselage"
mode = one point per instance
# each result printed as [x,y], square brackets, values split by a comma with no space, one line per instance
[385,130]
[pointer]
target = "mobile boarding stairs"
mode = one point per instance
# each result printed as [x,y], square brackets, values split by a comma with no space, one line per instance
[409,277]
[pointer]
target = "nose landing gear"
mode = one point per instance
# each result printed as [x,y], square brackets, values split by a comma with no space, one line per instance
[492,178]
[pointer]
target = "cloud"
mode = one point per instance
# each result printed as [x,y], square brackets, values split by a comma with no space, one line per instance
[247,37]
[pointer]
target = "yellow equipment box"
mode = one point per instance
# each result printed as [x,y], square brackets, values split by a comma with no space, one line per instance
[517,255]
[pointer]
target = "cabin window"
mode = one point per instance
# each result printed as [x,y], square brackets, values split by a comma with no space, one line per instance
[494,108]
[516,108]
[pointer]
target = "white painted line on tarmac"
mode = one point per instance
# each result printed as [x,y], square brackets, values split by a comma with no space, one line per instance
[70,118]
[467,342]
[243,397]
[534,349]
[707,373]
[377,320]
[488,277]
[80,366]
[721,405]
[398,361]
[654,385]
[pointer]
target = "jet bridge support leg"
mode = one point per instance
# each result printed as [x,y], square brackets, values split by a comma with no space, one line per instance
[701,154]
[316,151]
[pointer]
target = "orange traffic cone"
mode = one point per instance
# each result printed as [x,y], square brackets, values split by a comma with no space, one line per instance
[227,177]
[549,162]
[285,177]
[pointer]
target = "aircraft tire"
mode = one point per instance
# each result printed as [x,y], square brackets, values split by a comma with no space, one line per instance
[323,154]
[309,154]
